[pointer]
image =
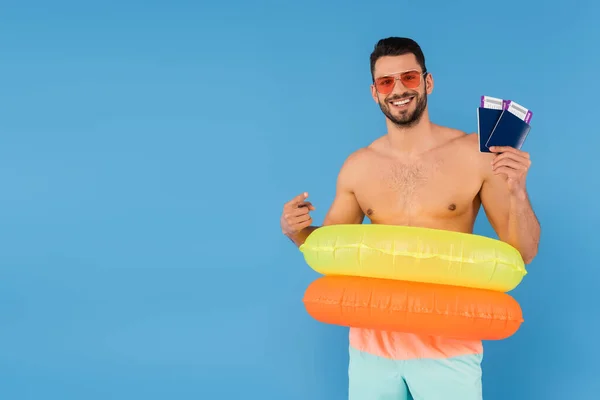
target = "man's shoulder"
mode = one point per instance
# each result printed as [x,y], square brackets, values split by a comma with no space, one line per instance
[464,146]
[466,142]
[458,137]
[466,149]
[356,159]
[355,163]
[365,153]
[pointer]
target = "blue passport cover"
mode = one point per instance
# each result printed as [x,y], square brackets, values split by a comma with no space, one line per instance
[486,121]
[510,130]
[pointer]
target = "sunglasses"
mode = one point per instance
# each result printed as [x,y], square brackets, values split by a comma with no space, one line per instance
[410,79]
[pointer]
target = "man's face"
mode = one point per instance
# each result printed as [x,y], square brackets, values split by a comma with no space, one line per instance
[404,105]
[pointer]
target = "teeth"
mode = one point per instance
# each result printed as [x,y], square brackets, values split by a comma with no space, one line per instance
[401,102]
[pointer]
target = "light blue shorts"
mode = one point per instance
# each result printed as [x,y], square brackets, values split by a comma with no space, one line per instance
[376,378]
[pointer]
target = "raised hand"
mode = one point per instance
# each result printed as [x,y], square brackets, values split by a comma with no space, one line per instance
[512,163]
[296,215]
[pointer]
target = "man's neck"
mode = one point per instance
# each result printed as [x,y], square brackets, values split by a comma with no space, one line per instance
[412,140]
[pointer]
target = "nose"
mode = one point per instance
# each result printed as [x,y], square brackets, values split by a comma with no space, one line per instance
[399,86]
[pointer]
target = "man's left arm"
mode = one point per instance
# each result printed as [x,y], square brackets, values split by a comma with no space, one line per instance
[506,202]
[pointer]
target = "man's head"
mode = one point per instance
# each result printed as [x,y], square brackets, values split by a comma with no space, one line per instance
[400,80]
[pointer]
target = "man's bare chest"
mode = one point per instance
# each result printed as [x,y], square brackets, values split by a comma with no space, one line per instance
[430,189]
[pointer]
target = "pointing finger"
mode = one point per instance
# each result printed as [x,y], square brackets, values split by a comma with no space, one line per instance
[297,200]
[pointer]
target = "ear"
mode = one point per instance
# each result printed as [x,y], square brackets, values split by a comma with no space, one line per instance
[429,83]
[374,94]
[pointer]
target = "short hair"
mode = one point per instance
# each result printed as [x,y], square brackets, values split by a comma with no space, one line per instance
[396,46]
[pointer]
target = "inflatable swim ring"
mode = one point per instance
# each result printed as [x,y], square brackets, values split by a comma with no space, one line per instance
[414,280]
[414,254]
[415,307]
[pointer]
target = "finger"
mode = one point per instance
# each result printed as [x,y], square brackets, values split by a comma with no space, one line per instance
[304,224]
[302,219]
[503,149]
[303,208]
[508,149]
[296,212]
[509,172]
[296,200]
[525,162]
[516,156]
[508,162]
[307,204]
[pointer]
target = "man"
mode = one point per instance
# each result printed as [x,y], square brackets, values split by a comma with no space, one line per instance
[420,174]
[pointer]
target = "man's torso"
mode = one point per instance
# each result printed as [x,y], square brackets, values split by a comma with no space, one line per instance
[438,189]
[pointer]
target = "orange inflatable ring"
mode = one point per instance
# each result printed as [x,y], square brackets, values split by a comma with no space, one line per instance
[415,307]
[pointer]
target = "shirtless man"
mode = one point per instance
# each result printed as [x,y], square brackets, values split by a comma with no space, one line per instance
[420,174]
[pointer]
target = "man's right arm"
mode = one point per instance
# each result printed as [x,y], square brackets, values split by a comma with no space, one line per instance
[296,220]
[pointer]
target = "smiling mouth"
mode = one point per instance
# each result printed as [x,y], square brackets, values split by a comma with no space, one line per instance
[402,102]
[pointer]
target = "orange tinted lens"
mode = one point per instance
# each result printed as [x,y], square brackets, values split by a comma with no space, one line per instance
[411,79]
[385,85]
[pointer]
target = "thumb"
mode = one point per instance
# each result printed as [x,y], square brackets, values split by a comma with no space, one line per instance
[307,204]
[298,199]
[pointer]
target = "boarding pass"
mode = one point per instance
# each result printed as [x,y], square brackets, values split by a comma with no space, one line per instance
[514,108]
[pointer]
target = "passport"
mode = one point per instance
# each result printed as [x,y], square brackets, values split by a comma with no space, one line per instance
[502,123]
[486,121]
[510,130]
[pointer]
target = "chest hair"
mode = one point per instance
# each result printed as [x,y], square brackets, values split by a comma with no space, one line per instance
[406,179]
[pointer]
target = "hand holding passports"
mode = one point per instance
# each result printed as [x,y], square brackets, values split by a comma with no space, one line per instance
[501,123]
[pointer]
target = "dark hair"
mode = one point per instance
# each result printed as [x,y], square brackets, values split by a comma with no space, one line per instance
[396,46]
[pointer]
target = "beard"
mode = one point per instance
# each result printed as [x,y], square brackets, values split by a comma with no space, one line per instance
[406,119]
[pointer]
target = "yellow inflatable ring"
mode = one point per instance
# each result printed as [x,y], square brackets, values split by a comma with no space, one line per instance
[414,254]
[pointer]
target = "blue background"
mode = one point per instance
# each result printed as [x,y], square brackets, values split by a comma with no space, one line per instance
[146,151]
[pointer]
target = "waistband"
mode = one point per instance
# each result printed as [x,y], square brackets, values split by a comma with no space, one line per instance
[405,346]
